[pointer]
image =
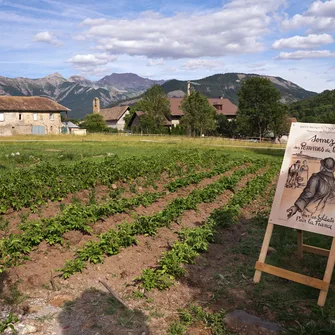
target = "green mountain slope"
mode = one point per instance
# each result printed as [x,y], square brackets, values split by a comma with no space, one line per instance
[227,85]
[320,108]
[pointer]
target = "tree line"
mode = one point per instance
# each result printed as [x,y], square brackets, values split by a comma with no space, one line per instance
[259,113]
[318,109]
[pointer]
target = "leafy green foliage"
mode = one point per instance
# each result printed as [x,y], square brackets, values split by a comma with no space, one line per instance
[225,127]
[193,314]
[35,186]
[148,225]
[8,323]
[79,217]
[156,107]
[94,123]
[195,240]
[199,115]
[320,109]
[259,108]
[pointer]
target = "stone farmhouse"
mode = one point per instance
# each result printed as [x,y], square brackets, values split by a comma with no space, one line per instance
[114,116]
[20,115]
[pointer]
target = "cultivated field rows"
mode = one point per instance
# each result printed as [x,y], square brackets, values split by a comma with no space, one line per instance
[140,242]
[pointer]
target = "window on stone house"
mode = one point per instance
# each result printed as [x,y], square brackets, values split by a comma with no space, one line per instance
[2,116]
[51,116]
[20,117]
[35,116]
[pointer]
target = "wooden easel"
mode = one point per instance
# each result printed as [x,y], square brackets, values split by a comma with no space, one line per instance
[322,285]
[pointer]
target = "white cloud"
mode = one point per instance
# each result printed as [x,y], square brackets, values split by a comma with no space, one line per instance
[47,37]
[322,9]
[90,64]
[238,27]
[93,22]
[303,54]
[269,5]
[195,64]
[91,60]
[320,16]
[303,42]
[155,62]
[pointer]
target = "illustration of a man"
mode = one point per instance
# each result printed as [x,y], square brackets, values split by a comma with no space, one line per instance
[293,173]
[319,189]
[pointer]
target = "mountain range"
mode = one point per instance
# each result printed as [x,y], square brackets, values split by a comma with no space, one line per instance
[77,92]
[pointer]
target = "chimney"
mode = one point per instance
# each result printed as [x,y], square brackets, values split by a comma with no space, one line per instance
[188,88]
[96,106]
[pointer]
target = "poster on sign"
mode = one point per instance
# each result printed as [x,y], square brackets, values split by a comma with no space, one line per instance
[305,194]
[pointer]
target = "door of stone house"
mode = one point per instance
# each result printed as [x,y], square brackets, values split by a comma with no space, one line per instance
[38,130]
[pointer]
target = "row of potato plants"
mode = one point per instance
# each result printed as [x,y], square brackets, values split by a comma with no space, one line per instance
[79,217]
[32,187]
[111,242]
[192,241]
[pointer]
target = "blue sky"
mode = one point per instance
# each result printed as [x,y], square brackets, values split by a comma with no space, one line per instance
[293,39]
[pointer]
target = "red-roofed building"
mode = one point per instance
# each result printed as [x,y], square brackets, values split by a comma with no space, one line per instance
[222,106]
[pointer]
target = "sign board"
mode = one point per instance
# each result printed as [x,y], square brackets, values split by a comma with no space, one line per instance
[305,194]
[305,200]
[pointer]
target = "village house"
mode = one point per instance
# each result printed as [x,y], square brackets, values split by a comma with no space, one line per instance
[69,127]
[114,116]
[20,115]
[221,105]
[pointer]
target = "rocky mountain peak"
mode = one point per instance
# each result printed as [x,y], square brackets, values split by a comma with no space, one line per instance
[76,78]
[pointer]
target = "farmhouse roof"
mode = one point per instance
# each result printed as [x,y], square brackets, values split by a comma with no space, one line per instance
[34,103]
[227,108]
[114,113]
[175,106]
[70,124]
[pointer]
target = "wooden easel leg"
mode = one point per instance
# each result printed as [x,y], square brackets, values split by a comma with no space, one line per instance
[328,274]
[300,243]
[264,250]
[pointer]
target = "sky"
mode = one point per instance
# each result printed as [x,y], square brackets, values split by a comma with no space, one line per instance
[186,40]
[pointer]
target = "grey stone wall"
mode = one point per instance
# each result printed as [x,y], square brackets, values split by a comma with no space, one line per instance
[12,125]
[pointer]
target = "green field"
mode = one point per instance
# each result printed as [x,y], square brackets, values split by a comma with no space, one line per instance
[173,225]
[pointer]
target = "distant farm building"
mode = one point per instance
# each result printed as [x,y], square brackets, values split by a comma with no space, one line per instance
[30,115]
[221,105]
[114,116]
[69,127]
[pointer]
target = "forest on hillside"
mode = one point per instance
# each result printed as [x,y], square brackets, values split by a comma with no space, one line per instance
[318,109]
